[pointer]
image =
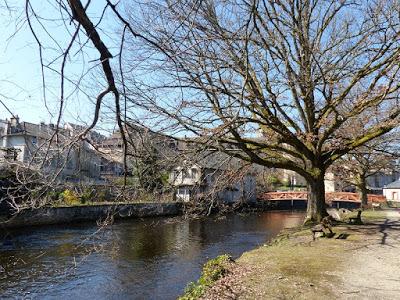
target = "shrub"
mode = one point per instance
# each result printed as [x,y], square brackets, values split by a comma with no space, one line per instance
[69,197]
[213,270]
[54,195]
[86,195]
[102,196]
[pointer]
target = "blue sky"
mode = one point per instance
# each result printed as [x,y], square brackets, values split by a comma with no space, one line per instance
[21,87]
[20,73]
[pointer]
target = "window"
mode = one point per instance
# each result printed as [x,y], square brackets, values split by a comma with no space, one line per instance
[185,174]
[194,173]
[69,164]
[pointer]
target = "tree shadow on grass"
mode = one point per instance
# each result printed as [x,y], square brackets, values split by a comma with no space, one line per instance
[374,228]
[330,235]
[343,236]
[382,230]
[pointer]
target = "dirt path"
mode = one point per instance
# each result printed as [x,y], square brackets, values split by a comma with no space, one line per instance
[374,269]
[359,262]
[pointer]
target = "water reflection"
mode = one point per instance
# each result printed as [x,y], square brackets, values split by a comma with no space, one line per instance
[136,259]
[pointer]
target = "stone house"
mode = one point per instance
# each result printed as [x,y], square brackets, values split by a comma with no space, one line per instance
[50,148]
[214,176]
[112,161]
[378,181]
[140,141]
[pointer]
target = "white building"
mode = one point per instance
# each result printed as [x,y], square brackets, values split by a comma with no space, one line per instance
[392,191]
[293,179]
[214,176]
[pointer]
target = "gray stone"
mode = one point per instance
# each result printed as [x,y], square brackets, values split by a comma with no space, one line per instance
[59,215]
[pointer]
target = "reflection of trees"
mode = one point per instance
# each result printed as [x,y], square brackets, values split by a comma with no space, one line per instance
[149,239]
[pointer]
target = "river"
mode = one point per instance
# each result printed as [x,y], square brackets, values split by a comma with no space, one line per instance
[132,259]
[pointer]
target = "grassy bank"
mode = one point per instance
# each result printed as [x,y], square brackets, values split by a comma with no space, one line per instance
[296,267]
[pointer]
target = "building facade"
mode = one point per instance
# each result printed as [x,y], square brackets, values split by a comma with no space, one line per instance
[51,149]
[392,191]
[213,177]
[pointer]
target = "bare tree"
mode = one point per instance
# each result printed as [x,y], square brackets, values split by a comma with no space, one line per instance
[276,81]
[379,156]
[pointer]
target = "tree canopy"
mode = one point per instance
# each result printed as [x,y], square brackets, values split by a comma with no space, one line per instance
[280,80]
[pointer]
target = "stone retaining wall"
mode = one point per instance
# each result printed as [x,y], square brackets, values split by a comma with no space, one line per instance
[59,215]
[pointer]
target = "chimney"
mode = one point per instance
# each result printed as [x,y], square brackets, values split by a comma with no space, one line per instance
[14,120]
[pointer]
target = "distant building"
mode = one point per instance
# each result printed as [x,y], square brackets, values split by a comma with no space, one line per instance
[292,179]
[215,175]
[140,141]
[377,182]
[112,160]
[331,184]
[48,147]
[392,191]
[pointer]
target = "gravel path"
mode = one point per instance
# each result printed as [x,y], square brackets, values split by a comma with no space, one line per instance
[374,269]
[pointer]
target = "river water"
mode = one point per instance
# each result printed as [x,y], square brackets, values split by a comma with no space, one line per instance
[132,259]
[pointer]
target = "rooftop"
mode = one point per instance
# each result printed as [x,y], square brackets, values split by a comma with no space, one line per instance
[393,185]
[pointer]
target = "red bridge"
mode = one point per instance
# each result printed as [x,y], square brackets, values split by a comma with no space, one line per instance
[329,197]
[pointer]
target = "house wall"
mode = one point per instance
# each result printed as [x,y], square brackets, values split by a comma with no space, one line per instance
[80,162]
[392,194]
[211,182]
[184,193]
[330,183]
[88,162]
[290,177]
[25,144]
[186,176]
[17,142]
[242,190]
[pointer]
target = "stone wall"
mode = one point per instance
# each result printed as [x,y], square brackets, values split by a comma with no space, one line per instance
[60,215]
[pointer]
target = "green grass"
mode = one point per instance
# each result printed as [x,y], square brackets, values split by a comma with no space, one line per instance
[369,215]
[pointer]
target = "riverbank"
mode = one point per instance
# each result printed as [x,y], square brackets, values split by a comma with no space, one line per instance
[358,262]
[74,214]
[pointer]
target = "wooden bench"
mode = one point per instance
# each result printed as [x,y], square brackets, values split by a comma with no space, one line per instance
[326,223]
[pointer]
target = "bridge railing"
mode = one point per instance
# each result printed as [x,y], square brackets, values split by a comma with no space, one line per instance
[329,197]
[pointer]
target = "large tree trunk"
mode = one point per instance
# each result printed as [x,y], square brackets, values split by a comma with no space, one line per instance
[362,188]
[316,207]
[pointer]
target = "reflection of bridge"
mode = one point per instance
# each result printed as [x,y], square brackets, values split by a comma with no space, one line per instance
[332,199]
